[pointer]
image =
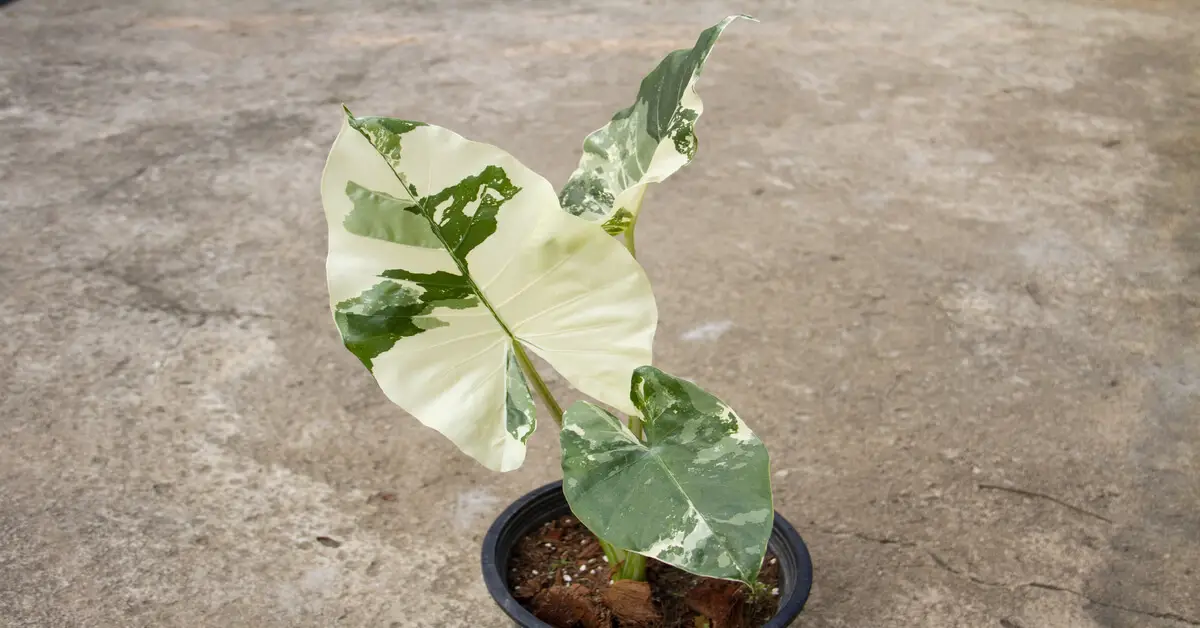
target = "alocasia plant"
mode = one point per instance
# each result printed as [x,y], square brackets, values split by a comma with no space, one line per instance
[449,262]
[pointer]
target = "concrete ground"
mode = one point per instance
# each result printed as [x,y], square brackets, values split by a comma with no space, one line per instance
[944,256]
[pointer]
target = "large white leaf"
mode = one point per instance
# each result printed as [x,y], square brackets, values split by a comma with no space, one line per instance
[447,258]
[644,143]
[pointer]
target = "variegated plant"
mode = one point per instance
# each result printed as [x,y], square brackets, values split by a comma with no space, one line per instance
[449,262]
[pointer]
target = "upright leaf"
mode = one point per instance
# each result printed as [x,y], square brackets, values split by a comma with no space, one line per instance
[447,258]
[695,493]
[644,143]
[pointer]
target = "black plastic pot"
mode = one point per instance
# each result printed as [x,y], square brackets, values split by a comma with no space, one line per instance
[548,502]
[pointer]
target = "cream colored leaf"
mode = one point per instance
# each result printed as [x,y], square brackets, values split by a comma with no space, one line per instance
[438,325]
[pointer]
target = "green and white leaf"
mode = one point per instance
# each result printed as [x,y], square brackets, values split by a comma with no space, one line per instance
[644,143]
[448,260]
[695,493]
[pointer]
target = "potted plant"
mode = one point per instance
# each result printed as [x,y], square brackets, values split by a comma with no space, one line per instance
[450,262]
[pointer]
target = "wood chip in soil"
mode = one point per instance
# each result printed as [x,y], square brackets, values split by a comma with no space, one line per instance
[569,606]
[631,602]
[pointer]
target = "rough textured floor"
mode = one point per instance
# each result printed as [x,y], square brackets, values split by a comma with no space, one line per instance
[944,256]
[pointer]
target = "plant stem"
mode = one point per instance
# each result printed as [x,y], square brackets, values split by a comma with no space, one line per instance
[625,564]
[614,555]
[634,567]
[635,426]
[630,244]
[556,411]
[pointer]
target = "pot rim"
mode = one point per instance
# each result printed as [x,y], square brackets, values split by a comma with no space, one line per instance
[784,538]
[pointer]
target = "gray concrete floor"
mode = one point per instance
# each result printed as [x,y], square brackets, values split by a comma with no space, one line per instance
[930,250]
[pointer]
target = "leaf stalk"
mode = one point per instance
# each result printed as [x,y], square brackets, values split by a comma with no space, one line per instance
[531,374]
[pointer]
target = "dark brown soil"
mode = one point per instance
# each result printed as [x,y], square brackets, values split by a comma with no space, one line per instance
[560,574]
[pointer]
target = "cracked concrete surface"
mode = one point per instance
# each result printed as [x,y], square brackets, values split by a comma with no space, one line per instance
[944,256]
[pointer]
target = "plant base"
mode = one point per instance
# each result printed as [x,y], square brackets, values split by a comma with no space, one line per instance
[791,573]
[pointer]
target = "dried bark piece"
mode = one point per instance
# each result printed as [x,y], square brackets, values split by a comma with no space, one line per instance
[569,607]
[530,587]
[721,601]
[591,549]
[630,601]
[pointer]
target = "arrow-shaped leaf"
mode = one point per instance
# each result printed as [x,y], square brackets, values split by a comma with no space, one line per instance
[448,259]
[695,493]
[644,143]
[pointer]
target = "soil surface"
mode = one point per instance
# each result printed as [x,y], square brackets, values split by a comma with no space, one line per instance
[561,574]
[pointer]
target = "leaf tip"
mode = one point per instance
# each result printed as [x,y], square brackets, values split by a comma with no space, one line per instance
[735,17]
[644,371]
[346,110]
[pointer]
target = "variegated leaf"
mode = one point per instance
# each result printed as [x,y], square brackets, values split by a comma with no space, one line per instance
[448,259]
[695,493]
[644,143]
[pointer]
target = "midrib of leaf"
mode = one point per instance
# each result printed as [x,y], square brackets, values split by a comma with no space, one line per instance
[649,452]
[465,237]
[527,366]
[620,430]
[437,232]
[699,515]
